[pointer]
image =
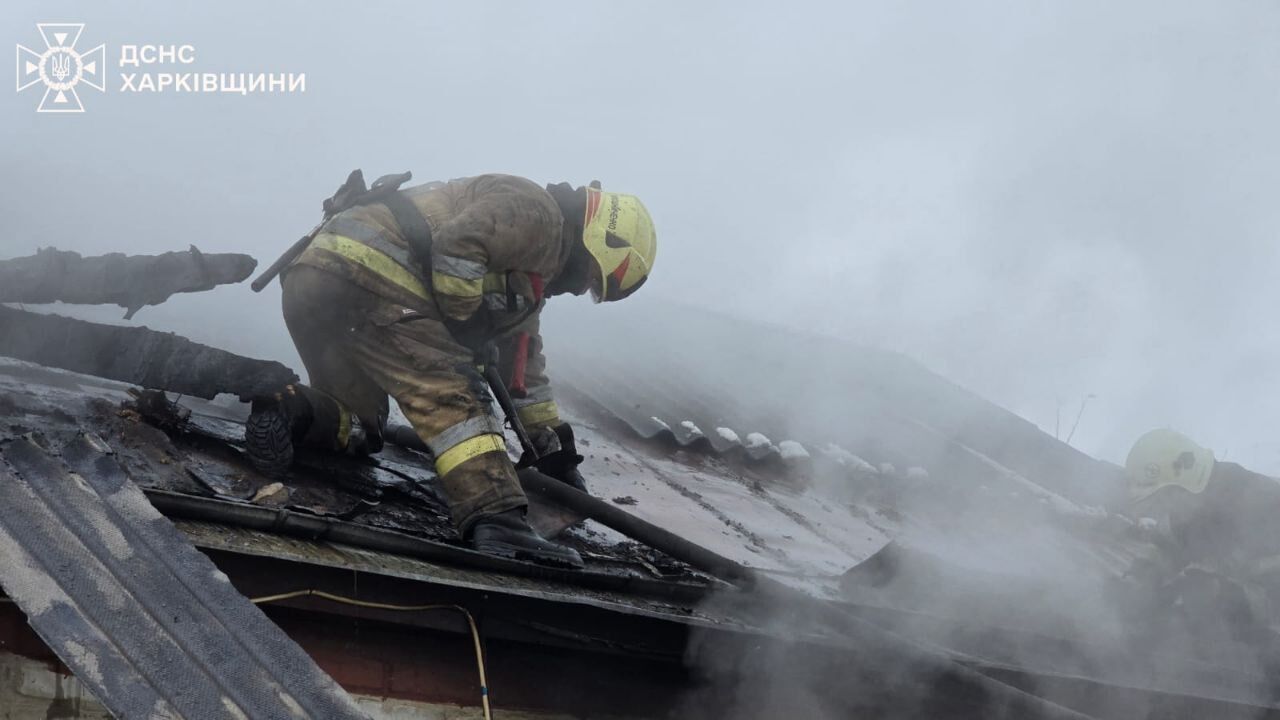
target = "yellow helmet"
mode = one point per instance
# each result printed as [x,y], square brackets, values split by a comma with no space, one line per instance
[619,234]
[1164,458]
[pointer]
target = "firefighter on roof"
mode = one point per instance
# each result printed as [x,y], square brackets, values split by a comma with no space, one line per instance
[371,318]
[1215,524]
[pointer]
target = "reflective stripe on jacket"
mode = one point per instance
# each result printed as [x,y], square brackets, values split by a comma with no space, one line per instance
[489,233]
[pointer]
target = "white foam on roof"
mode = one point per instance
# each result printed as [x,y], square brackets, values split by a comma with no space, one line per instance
[659,421]
[846,458]
[688,425]
[757,440]
[791,450]
[728,435]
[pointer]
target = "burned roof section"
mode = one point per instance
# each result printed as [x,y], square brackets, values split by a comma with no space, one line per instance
[382,519]
[130,281]
[925,484]
[136,355]
[196,467]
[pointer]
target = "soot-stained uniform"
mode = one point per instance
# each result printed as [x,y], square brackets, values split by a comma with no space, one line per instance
[370,321]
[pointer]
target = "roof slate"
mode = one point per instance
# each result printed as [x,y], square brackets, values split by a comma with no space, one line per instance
[146,621]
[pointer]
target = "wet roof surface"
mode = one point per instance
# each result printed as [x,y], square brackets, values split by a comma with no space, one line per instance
[764,514]
[728,510]
[990,533]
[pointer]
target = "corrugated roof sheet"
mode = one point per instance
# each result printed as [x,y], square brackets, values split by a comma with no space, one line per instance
[143,618]
[716,383]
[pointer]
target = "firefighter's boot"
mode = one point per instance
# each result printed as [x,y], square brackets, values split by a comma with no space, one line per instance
[507,534]
[299,416]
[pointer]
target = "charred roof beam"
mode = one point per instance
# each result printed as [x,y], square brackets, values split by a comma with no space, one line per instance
[136,355]
[130,281]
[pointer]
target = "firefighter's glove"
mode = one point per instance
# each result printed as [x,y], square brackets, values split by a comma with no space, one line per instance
[558,455]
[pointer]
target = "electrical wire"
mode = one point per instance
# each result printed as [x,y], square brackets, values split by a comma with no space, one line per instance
[471,622]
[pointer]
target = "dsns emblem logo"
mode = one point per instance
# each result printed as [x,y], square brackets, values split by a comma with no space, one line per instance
[61,68]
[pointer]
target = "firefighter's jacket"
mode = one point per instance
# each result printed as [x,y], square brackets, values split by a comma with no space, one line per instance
[1229,529]
[497,241]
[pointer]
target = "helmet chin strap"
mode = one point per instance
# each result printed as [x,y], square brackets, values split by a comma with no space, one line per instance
[575,278]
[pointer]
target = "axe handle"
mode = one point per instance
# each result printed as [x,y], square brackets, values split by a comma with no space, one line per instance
[368,196]
[288,257]
[500,392]
[635,528]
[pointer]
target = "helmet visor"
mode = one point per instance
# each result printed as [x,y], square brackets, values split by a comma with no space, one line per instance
[611,287]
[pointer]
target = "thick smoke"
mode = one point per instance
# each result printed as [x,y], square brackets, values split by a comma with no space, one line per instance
[1040,203]
[1043,203]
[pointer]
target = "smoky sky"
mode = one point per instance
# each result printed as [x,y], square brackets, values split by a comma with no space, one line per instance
[1042,201]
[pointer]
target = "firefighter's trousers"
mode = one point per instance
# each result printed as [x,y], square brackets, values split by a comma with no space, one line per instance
[360,349]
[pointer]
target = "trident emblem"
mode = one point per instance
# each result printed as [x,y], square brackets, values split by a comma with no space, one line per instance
[61,68]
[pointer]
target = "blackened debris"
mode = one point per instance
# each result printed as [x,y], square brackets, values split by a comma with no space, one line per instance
[136,355]
[130,281]
[159,410]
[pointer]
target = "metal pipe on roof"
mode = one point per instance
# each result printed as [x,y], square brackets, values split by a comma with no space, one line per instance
[633,527]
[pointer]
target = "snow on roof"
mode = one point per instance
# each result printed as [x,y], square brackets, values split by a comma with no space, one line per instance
[846,458]
[792,450]
[691,427]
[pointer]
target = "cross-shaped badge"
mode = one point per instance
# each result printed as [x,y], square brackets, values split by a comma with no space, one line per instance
[61,68]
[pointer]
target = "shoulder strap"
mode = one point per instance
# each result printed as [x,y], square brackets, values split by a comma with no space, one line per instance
[416,229]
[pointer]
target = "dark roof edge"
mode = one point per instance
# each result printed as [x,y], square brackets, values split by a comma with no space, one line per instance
[317,528]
